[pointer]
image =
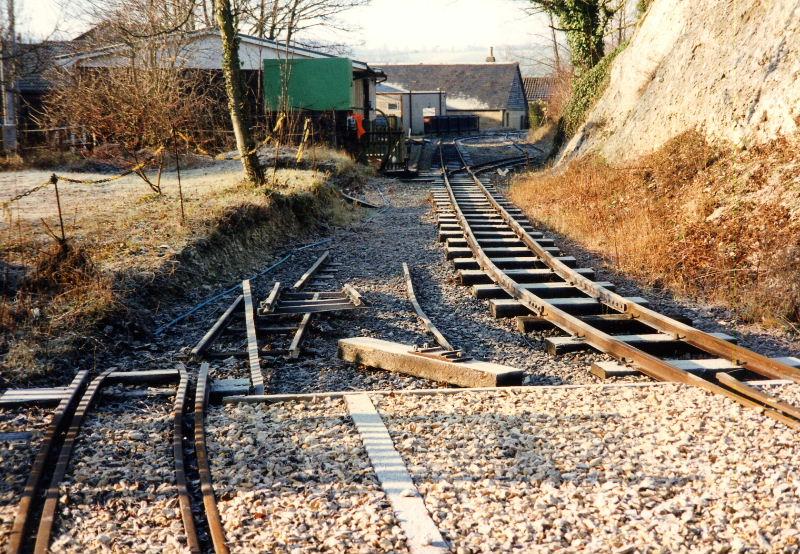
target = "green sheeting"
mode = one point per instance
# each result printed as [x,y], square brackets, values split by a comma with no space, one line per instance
[318,84]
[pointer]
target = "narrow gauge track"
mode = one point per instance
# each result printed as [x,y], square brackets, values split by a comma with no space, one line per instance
[37,510]
[495,248]
[522,154]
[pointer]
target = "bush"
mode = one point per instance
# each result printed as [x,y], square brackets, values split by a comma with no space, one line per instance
[586,90]
[642,5]
[711,222]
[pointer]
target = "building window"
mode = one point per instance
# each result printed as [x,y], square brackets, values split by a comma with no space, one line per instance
[393,106]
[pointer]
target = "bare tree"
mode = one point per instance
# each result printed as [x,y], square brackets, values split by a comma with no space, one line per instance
[585,23]
[233,86]
[139,94]
[286,20]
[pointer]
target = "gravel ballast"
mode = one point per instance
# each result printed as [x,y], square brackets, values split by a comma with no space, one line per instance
[16,459]
[119,493]
[663,468]
[294,477]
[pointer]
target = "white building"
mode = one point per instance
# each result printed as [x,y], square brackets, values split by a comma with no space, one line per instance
[202,50]
[411,107]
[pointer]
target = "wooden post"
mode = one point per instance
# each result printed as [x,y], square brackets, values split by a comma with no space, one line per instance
[54,180]
[178,169]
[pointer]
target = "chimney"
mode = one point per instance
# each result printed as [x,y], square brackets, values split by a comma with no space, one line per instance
[491,58]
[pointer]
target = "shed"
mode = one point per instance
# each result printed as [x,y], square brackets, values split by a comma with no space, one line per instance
[492,91]
[202,50]
[411,107]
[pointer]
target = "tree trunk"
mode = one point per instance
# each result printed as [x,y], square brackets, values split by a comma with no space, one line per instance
[233,86]
[8,78]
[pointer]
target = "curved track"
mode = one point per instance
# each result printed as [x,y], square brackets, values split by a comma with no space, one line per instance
[38,507]
[494,246]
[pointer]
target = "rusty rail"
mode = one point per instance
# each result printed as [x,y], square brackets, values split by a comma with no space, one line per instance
[51,498]
[49,446]
[215,527]
[184,500]
[426,321]
[647,363]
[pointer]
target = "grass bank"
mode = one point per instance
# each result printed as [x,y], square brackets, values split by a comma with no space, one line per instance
[707,222]
[132,254]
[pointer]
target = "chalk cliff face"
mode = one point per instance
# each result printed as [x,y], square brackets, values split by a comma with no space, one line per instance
[728,68]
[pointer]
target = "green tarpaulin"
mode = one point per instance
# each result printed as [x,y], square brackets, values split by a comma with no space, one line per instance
[317,84]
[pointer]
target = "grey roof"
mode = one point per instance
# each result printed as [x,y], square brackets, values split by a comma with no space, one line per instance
[538,88]
[489,86]
[34,62]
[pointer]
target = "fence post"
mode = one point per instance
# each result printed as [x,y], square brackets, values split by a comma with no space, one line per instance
[54,180]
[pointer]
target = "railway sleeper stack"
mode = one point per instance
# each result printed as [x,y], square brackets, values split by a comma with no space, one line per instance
[523,274]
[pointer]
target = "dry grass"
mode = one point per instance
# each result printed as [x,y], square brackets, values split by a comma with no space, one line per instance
[130,255]
[707,222]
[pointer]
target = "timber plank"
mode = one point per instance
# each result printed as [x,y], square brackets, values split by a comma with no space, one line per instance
[401,358]
[605,370]
[664,341]
[511,308]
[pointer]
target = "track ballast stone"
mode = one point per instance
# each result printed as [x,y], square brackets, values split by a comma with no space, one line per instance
[16,459]
[372,253]
[119,494]
[295,478]
[659,468]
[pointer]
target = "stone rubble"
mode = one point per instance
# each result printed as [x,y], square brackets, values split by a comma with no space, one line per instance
[16,458]
[294,477]
[663,468]
[119,493]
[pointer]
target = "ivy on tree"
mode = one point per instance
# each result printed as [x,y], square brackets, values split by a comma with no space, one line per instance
[585,23]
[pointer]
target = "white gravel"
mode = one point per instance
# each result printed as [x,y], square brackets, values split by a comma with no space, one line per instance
[119,494]
[663,468]
[295,478]
[16,459]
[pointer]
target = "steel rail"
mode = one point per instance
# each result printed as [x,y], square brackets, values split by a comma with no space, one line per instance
[30,494]
[211,335]
[254,360]
[184,500]
[739,355]
[426,321]
[648,364]
[51,498]
[312,271]
[215,527]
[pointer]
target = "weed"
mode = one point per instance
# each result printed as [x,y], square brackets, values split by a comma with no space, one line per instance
[709,222]
[129,255]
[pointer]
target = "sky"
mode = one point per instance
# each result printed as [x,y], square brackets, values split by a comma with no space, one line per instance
[433,31]
[411,31]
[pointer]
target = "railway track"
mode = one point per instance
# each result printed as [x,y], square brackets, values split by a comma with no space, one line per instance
[522,273]
[37,515]
[495,249]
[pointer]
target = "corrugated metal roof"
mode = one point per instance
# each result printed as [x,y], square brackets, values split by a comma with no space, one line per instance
[490,86]
[538,88]
[211,31]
